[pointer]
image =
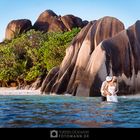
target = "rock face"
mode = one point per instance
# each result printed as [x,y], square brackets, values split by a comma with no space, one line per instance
[48,21]
[117,56]
[49,80]
[16,27]
[85,59]
[123,57]
[71,21]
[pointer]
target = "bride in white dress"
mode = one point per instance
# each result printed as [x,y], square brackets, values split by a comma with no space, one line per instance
[112,88]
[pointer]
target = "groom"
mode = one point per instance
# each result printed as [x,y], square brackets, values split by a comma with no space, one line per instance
[104,93]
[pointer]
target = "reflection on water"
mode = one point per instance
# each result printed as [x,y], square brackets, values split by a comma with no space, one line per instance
[68,112]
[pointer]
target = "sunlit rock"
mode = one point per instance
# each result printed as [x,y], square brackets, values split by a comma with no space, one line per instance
[84,55]
[16,27]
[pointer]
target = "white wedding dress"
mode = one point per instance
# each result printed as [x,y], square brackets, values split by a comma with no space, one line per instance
[113,97]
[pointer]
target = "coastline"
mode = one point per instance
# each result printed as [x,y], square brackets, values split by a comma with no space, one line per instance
[14,91]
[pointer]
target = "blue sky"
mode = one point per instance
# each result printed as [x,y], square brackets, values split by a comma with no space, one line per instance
[128,11]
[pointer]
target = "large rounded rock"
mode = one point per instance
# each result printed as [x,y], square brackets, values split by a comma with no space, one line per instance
[71,21]
[44,20]
[81,54]
[16,27]
[49,21]
[119,56]
[57,26]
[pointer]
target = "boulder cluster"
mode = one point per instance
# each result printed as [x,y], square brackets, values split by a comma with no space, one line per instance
[103,47]
[48,21]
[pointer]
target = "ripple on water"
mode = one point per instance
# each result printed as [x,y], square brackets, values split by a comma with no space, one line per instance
[68,111]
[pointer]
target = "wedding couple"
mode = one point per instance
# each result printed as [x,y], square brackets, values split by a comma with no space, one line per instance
[109,89]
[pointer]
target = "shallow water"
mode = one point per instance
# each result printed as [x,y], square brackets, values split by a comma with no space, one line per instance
[68,112]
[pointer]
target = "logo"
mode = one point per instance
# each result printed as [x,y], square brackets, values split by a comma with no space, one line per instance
[54,134]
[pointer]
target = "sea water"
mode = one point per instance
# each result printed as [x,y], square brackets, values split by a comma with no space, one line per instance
[31,111]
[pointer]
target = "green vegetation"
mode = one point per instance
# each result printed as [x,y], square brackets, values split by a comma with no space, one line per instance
[29,54]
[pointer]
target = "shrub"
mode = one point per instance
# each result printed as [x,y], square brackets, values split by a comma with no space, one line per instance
[32,52]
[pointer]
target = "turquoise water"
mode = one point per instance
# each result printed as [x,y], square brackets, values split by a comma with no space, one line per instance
[68,112]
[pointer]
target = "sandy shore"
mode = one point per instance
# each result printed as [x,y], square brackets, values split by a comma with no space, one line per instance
[14,91]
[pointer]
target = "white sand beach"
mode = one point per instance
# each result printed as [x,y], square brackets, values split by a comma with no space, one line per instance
[14,91]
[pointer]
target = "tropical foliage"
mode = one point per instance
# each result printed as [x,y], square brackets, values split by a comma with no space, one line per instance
[29,54]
